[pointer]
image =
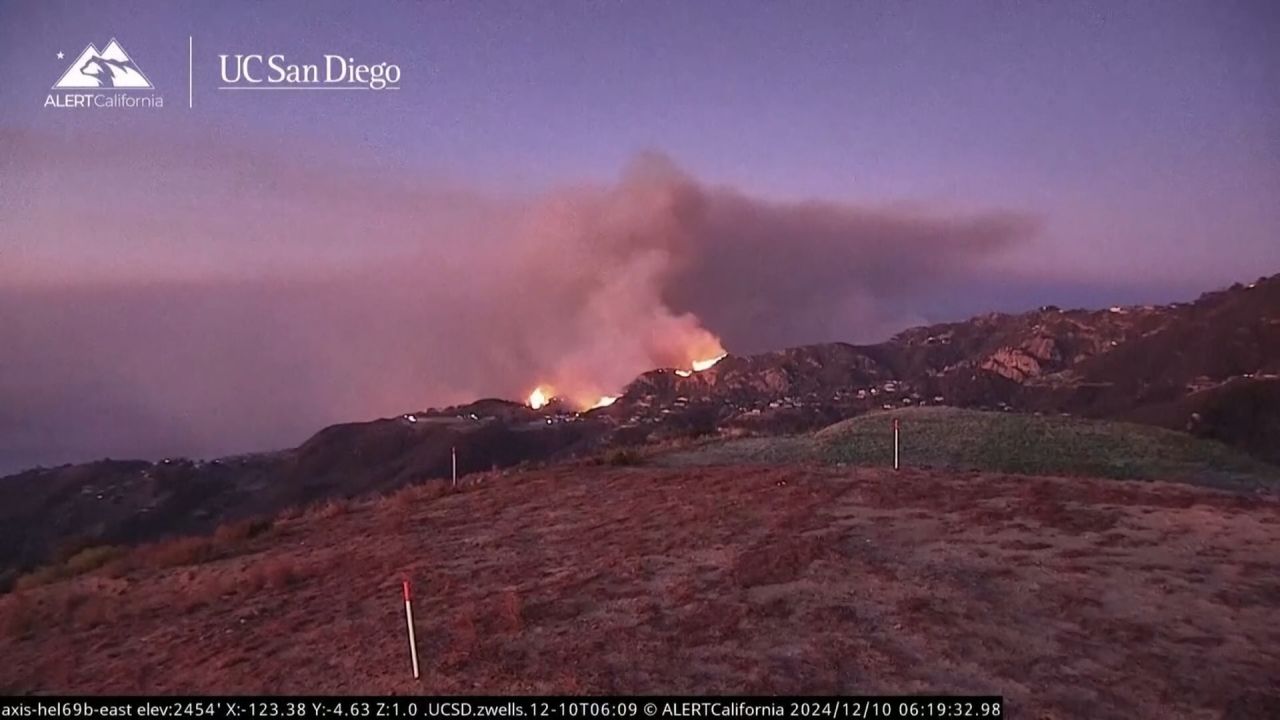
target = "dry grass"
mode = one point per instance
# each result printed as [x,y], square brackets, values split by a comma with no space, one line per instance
[971,440]
[239,531]
[238,583]
[274,574]
[39,577]
[327,510]
[84,561]
[175,553]
[63,607]
[508,611]
[92,558]
[777,562]
[623,457]
[227,540]
[410,497]
[18,616]
[116,561]
[1073,598]
[93,610]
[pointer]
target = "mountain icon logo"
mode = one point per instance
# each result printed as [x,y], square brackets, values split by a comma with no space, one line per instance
[111,68]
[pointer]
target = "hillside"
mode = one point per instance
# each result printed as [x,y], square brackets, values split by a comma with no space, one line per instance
[51,514]
[957,439]
[1210,368]
[1072,598]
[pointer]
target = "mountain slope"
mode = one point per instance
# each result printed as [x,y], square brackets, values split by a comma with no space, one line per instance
[53,513]
[1150,364]
[1209,367]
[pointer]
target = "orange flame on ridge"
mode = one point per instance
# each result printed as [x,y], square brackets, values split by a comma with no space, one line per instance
[539,397]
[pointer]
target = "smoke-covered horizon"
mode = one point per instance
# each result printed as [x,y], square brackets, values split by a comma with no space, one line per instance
[372,297]
[234,270]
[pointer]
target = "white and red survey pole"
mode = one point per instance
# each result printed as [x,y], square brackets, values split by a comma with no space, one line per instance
[453,453]
[895,443]
[408,617]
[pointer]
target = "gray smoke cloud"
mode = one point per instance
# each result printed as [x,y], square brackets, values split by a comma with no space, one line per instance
[299,296]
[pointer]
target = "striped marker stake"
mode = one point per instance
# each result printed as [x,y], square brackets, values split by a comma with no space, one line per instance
[408,616]
[453,452]
[895,443]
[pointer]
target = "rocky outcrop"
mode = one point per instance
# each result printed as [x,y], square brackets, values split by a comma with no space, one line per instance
[1015,364]
[1032,359]
[1044,349]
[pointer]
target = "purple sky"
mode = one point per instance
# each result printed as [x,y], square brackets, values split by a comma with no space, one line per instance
[1146,134]
[1139,143]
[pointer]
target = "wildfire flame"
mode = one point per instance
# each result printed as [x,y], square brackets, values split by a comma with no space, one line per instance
[539,397]
[700,365]
[582,394]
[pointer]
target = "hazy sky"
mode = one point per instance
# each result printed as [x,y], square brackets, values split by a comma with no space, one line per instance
[1147,134]
[1077,153]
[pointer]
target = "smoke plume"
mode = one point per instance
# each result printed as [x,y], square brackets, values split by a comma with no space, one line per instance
[658,270]
[235,300]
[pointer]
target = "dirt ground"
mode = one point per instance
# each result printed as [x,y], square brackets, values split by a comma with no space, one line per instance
[1072,598]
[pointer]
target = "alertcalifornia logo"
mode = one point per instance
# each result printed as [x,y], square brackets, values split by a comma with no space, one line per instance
[112,78]
[107,79]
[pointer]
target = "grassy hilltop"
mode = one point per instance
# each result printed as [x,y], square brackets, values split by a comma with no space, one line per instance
[944,437]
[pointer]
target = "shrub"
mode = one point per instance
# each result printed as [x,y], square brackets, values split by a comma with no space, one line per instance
[281,574]
[182,551]
[70,547]
[509,613]
[65,606]
[328,510]
[84,561]
[93,610]
[463,638]
[410,496]
[240,530]
[39,576]
[91,559]
[18,616]
[403,499]
[274,573]
[622,457]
